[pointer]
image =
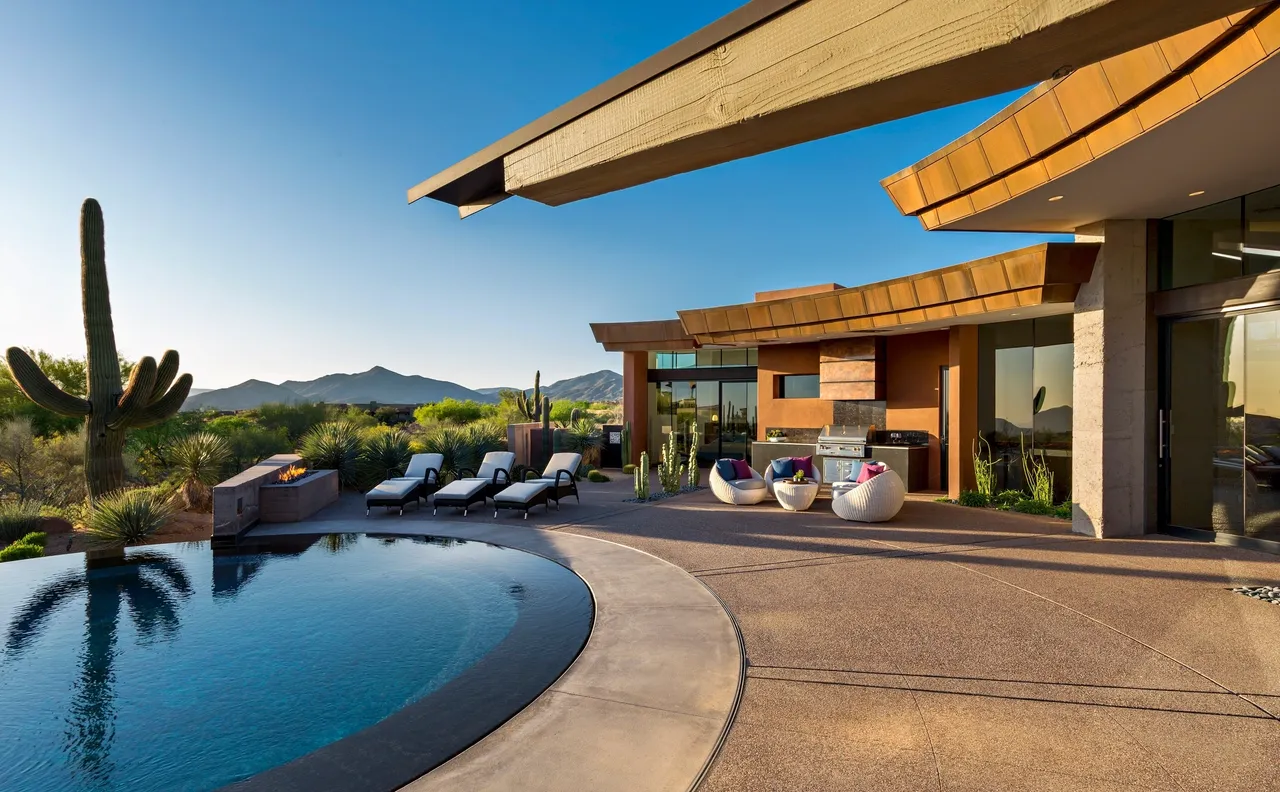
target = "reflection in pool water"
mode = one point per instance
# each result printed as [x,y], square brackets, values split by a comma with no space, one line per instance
[179,670]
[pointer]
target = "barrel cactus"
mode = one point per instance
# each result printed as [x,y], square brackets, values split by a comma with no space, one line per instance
[154,392]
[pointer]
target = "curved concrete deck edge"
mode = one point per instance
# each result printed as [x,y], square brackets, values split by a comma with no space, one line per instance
[645,706]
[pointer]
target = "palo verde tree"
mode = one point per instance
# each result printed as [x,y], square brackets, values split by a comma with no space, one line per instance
[111,409]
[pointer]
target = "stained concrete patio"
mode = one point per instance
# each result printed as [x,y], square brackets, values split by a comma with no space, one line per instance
[968,650]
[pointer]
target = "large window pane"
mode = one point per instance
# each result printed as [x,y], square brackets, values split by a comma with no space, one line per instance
[684,395]
[1262,231]
[1206,424]
[798,386]
[1203,245]
[708,422]
[1262,425]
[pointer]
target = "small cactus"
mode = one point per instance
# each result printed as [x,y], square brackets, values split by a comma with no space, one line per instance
[642,477]
[671,471]
[154,392]
[695,440]
[574,416]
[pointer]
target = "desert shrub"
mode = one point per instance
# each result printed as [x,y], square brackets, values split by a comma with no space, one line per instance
[18,519]
[335,445]
[1062,511]
[585,438]
[385,455]
[984,467]
[294,419]
[974,499]
[249,443]
[597,477]
[361,419]
[1032,507]
[1007,498]
[198,460]
[562,411]
[463,446]
[130,516]
[453,411]
[628,469]
[150,446]
[38,538]
[19,551]
[40,469]
[75,513]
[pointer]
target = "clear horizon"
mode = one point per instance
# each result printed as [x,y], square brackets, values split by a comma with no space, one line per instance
[252,163]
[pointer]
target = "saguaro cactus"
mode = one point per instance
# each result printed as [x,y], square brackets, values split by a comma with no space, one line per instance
[531,407]
[110,409]
[626,443]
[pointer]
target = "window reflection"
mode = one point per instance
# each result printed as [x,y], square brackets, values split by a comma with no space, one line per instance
[1240,236]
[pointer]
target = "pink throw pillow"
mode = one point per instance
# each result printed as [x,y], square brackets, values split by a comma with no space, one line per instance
[869,472]
[805,464]
[743,469]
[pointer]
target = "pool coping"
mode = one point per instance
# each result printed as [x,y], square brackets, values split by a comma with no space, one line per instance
[647,703]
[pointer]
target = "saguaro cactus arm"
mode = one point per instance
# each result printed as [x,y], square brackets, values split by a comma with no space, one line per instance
[39,388]
[164,407]
[137,394]
[166,373]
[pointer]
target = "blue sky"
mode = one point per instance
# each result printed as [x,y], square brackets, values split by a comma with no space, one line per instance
[252,160]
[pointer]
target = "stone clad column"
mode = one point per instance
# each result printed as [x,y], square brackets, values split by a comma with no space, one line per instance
[1113,446]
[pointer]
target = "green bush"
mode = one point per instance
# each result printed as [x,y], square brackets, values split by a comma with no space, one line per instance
[453,411]
[1032,507]
[37,538]
[1007,499]
[562,411]
[597,477]
[130,516]
[333,446]
[629,469]
[463,446]
[294,420]
[17,552]
[974,499]
[17,520]
[198,460]
[1063,511]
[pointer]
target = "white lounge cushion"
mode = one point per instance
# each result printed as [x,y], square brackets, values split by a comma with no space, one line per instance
[461,488]
[520,493]
[419,464]
[748,484]
[562,461]
[392,489]
[550,482]
[495,461]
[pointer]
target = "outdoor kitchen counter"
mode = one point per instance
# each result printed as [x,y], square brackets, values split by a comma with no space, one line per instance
[911,462]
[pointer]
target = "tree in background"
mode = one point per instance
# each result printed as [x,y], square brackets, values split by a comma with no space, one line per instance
[294,419]
[154,391]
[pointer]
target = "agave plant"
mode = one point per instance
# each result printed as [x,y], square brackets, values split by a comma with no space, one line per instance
[197,460]
[386,454]
[333,446]
[152,587]
[131,516]
[584,437]
[463,446]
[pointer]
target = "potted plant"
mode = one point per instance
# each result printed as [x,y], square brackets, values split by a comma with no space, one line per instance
[798,478]
[775,435]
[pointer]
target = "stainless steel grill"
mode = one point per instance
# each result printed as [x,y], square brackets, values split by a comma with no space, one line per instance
[846,442]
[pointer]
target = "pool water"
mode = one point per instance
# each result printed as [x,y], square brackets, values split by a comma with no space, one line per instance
[179,670]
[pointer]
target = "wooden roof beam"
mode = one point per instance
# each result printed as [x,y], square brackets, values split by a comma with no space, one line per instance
[775,73]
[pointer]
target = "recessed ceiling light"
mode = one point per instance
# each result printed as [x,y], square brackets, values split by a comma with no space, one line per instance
[1055,198]
[1015,313]
[1195,194]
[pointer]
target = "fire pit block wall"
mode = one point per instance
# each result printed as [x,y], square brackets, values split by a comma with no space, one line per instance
[298,500]
[235,501]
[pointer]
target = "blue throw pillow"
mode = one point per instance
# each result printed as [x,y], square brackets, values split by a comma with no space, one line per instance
[783,468]
[855,468]
[726,470]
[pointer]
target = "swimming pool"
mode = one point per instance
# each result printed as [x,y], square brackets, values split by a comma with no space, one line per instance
[274,668]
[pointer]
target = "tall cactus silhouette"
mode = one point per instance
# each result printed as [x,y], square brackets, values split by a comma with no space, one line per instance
[110,409]
[531,406]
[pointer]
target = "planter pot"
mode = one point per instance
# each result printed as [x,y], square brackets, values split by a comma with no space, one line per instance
[297,500]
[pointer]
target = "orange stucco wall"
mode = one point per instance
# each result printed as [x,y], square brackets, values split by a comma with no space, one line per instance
[774,413]
[912,377]
[635,400]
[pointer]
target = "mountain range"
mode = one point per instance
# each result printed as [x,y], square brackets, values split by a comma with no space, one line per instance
[383,386]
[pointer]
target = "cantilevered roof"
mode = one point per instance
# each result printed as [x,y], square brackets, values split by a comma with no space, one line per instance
[775,73]
[666,334]
[1032,281]
[1130,137]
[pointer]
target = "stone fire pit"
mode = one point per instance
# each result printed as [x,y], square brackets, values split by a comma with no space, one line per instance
[297,500]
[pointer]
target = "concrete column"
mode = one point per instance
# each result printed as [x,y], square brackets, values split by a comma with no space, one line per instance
[1113,449]
[962,407]
[635,401]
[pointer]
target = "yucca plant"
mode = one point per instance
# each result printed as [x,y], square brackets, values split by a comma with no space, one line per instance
[18,519]
[452,443]
[335,445]
[197,460]
[584,437]
[386,455]
[129,517]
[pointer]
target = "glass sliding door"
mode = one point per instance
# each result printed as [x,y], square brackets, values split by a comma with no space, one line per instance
[1221,397]
[738,419]
[724,413]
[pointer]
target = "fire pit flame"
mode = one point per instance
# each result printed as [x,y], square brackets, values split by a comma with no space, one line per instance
[291,473]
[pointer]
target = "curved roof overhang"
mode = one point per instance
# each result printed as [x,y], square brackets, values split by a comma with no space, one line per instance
[775,73]
[1035,281]
[1162,129]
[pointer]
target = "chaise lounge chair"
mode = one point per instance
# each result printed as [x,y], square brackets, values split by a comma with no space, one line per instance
[420,479]
[494,471]
[559,477]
